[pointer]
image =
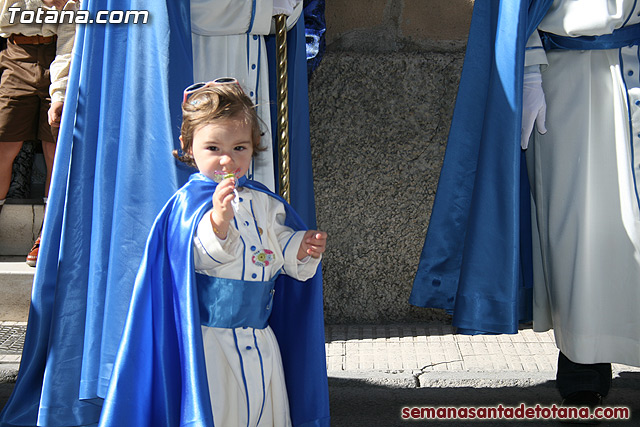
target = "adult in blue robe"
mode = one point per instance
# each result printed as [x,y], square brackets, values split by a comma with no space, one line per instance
[113,173]
[302,194]
[476,259]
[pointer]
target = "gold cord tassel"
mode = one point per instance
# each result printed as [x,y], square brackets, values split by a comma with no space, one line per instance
[283,105]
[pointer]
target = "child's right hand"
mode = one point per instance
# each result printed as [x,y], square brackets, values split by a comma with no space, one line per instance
[222,209]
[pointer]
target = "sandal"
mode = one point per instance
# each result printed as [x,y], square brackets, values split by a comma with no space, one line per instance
[32,258]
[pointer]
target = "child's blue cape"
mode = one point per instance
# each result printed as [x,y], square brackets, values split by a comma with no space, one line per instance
[159,377]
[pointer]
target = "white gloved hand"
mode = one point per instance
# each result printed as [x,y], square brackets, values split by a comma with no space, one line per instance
[534,107]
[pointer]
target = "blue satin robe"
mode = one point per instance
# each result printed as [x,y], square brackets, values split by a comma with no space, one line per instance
[112,174]
[476,259]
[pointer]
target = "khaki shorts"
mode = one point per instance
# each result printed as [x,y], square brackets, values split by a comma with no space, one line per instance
[24,92]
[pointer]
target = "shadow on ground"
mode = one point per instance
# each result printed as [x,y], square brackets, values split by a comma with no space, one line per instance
[358,403]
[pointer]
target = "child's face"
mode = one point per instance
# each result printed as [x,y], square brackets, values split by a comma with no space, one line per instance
[223,147]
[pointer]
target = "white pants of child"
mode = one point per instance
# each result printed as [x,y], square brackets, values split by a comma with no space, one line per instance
[246,378]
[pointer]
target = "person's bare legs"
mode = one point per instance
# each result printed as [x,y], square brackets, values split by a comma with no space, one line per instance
[49,151]
[8,153]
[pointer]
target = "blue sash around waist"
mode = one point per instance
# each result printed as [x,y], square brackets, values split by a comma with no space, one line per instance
[622,37]
[228,303]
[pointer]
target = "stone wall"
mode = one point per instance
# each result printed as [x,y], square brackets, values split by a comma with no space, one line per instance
[381,104]
[395,25]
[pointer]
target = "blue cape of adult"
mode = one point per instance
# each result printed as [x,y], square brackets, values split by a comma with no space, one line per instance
[159,377]
[476,259]
[113,173]
[302,194]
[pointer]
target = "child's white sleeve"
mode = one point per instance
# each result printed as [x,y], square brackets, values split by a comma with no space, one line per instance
[290,242]
[209,250]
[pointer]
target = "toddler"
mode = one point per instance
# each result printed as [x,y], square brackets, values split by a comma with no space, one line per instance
[220,330]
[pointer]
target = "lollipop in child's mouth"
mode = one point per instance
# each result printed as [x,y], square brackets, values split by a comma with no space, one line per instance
[219,176]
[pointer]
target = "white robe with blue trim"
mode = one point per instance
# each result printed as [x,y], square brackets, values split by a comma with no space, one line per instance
[244,364]
[228,41]
[584,175]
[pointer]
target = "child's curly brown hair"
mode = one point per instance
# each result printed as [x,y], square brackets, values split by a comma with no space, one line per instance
[212,104]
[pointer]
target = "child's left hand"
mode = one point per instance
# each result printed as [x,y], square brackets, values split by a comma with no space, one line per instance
[313,244]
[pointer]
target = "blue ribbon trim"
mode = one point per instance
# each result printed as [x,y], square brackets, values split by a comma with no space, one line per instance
[622,37]
[229,303]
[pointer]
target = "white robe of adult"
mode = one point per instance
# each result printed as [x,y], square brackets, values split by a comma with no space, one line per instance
[584,176]
[228,41]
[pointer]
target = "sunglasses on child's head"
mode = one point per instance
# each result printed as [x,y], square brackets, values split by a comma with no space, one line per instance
[190,90]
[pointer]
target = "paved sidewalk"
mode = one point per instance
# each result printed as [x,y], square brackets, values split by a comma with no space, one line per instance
[11,340]
[435,347]
[430,354]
